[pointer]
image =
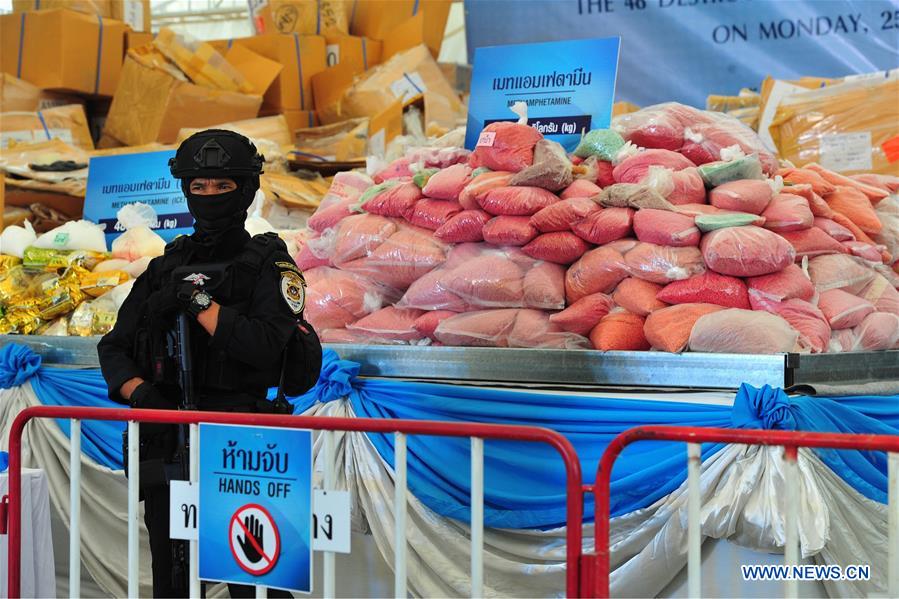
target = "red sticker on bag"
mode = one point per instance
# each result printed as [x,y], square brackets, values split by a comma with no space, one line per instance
[891,149]
[486,139]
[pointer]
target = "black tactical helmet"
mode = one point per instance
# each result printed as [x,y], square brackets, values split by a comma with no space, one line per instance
[216,153]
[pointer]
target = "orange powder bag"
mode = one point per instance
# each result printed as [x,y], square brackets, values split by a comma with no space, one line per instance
[669,329]
[620,331]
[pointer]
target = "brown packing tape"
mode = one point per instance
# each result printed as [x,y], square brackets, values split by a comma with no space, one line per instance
[63,50]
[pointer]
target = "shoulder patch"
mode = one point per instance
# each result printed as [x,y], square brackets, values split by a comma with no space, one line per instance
[293,290]
[287,266]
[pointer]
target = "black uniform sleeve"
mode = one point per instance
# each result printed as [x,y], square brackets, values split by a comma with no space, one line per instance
[259,337]
[116,348]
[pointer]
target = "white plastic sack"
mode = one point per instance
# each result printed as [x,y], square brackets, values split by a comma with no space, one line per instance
[256,225]
[14,240]
[138,240]
[74,235]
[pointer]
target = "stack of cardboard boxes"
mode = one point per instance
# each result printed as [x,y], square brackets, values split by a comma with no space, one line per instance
[316,62]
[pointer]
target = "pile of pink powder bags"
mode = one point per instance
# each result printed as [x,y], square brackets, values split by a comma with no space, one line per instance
[674,230]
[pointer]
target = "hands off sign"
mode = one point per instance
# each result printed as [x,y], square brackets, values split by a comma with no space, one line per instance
[256,506]
[569,87]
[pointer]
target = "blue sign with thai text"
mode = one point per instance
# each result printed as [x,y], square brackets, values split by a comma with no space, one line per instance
[685,50]
[255,506]
[568,87]
[116,181]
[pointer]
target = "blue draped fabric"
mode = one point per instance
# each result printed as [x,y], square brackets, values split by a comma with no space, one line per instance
[101,440]
[524,482]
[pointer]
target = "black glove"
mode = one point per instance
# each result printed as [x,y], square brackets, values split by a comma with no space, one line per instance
[148,397]
[170,299]
[164,302]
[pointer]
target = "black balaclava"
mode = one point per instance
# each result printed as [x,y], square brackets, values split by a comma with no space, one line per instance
[219,219]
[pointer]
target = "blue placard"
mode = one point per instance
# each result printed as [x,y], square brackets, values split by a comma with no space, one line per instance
[256,506]
[684,50]
[569,87]
[115,181]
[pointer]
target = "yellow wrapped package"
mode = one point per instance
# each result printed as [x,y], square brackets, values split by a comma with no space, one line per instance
[851,127]
[7,262]
[47,259]
[13,283]
[96,284]
[94,317]
[20,322]
[56,295]
[201,62]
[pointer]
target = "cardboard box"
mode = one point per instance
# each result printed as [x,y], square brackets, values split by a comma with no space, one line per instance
[458,75]
[306,17]
[135,13]
[273,129]
[302,57]
[361,53]
[260,71]
[152,105]
[136,39]
[68,123]
[407,77]
[63,50]
[378,18]
[19,95]
[827,126]
[300,119]
[71,206]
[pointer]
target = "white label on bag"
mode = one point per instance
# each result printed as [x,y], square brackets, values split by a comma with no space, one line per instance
[134,14]
[408,87]
[486,139]
[332,54]
[846,151]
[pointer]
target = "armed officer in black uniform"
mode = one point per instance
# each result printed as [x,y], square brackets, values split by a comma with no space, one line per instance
[244,297]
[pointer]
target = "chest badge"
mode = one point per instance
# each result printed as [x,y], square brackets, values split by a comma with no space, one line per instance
[197,278]
[293,290]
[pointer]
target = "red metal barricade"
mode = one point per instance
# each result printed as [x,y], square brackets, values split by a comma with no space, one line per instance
[574,490]
[595,567]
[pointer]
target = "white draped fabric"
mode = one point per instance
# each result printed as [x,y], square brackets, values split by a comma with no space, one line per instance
[742,496]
